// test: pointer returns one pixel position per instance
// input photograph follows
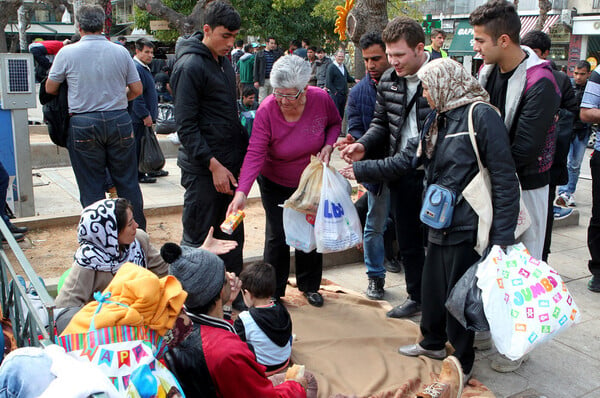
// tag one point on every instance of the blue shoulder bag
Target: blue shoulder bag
(438, 207)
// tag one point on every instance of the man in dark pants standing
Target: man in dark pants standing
(400, 113)
(336, 81)
(213, 140)
(590, 113)
(144, 109)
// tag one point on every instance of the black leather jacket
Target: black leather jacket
(385, 131)
(453, 165)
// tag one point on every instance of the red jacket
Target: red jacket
(214, 348)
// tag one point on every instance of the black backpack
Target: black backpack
(56, 113)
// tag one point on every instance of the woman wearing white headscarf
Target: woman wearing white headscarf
(108, 238)
(450, 161)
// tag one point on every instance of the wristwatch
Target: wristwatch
(226, 308)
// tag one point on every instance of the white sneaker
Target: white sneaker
(174, 138)
(565, 200)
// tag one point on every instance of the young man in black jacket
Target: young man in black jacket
(540, 43)
(523, 88)
(400, 112)
(213, 140)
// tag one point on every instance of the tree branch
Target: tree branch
(158, 9)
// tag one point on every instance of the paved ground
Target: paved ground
(568, 366)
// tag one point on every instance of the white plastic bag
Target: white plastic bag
(525, 301)
(299, 230)
(337, 226)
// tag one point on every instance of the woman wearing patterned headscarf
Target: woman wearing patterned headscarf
(108, 238)
(450, 161)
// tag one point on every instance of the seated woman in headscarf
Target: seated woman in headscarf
(450, 161)
(108, 238)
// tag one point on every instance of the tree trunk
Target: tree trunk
(185, 24)
(545, 7)
(8, 11)
(366, 15)
(23, 17)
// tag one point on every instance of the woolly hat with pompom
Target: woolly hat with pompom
(200, 272)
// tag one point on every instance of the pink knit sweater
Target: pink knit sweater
(280, 150)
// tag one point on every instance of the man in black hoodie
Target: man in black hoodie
(213, 140)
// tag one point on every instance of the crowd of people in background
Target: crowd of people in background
(249, 112)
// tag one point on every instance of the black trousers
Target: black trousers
(406, 195)
(444, 266)
(549, 222)
(204, 207)
(138, 132)
(594, 227)
(309, 266)
(339, 100)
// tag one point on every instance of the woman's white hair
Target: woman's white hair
(290, 71)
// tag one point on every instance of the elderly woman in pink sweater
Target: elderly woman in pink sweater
(293, 123)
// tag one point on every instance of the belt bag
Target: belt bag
(438, 207)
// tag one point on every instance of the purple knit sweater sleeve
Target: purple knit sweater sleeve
(280, 150)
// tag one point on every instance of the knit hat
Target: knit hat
(200, 272)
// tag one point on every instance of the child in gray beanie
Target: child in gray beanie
(206, 360)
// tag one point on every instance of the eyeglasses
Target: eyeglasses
(288, 97)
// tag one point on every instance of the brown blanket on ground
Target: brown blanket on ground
(351, 347)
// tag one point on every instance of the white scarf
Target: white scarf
(99, 240)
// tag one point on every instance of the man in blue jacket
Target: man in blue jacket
(144, 109)
(360, 108)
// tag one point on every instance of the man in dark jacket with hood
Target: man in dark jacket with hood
(212, 138)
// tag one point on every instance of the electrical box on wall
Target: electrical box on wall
(17, 81)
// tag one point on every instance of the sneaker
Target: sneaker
(174, 138)
(393, 265)
(408, 308)
(561, 213)
(18, 237)
(594, 284)
(375, 289)
(565, 200)
(414, 350)
(504, 365)
(159, 173)
(483, 341)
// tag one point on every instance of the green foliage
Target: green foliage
(285, 20)
(326, 9)
(411, 9)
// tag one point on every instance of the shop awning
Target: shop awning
(528, 23)
(462, 42)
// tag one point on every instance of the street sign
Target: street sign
(429, 23)
(159, 25)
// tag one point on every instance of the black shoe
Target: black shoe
(159, 173)
(314, 298)
(594, 284)
(17, 230)
(406, 309)
(18, 237)
(394, 265)
(375, 289)
(147, 180)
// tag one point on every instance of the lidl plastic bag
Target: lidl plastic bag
(306, 197)
(525, 301)
(337, 226)
(299, 230)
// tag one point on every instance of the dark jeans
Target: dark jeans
(101, 140)
(204, 207)
(340, 102)
(309, 266)
(138, 132)
(405, 204)
(594, 228)
(3, 190)
(549, 222)
(443, 268)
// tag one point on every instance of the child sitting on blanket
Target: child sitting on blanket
(266, 326)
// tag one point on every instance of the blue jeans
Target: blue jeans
(26, 374)
(379, 210)
(576, 153)
(101, 140)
